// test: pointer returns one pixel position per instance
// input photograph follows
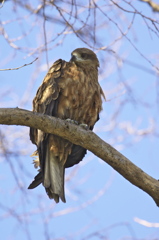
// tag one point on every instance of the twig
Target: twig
(26, 64)
(45, 35)
(146, 223)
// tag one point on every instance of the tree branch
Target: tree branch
(26, 64)
(154, 6)
(86, 139)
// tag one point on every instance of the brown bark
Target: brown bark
(87, 139)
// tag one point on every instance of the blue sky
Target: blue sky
(100, 202)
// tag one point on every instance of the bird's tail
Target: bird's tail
(51, 175)
(53, 179)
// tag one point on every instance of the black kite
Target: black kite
(70, 90)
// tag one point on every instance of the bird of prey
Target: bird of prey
(70, 90)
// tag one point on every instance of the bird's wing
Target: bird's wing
(46, 99)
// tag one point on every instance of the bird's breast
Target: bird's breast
(79, 98)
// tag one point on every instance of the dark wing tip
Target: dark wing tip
(37, 181)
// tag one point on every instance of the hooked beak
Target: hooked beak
(73, 58)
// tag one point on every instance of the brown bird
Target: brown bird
(70, 90)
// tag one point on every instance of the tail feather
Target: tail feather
(51, 176)
(53, 180)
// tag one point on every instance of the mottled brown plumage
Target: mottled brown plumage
(69, 90)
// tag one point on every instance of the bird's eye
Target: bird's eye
(84, 55)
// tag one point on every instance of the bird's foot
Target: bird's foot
(71, 121)
(84, 126)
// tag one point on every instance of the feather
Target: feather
(54, 176)
(37, 180)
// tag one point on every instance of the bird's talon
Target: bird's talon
(84, 126)
(71, 121)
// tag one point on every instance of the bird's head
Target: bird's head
(85, 56)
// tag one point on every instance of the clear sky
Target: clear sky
(101, 204)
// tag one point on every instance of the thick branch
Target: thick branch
(86, 139)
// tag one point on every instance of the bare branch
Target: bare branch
(86, 139)
(26, 64)
(146, 223)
